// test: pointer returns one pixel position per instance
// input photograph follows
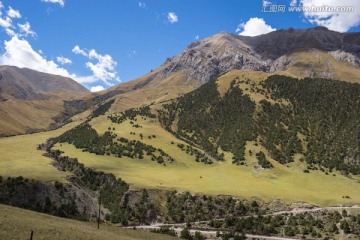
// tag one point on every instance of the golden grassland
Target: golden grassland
(16, 223)
(20, 157)
(157, 91)
(16, 116)
(283, 182)
(316, 62)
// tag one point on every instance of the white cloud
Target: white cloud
(172, 17)
(77, 50)
(13, 13)
(18, 52)
(26, 29)
(337, 21)
(253, 27)
(63, 60)
(97, 88)
(5, 22)
(141, 5)
(10, 32)
(102, 69)
(61, 2)
(197, 37)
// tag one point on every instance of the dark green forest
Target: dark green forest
(86, 138)
(326, 112)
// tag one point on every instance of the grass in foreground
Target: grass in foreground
(16, 223)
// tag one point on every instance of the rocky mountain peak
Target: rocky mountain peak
(206, 59)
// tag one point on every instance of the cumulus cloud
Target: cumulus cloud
(10, 32)
(77, 50)
(61, 2)
(97, 88)
(172, 17)
(5, 22)
(253, 27)
(63, 60)
(25, 29)
(339, 20)
(101, 66)
(141, 5)
(18, 52)
(13, 13)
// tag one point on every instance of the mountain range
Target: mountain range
(316, 52)
(230, 128)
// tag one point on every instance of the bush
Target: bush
(185, 234)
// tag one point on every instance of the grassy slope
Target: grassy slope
(16, 116)
(158, 91)
(289, 184)
(284, 182)
(316, 62)
(17, 223)
(19, 157)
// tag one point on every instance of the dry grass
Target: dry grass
(17, 223)
(19, 156)
(159, 90)
(16, 116)
(283, 182)
(304, 62)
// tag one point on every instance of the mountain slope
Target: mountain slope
(224, 135)
(223, 52)
(314, 52)
(32, 101)
(27, 84)
(290, 118)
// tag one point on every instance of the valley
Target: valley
(234, 129)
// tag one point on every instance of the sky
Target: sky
(103, 43)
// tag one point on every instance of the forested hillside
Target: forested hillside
(318, 119)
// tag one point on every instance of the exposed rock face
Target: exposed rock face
(215, 55)
(345, 57)
(206, 59)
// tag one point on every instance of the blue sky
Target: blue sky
(113, 41)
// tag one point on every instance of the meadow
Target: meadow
(16, 223)
(288, 183)
(18, 156)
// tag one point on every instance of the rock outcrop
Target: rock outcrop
(205, 60)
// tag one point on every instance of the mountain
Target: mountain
(314, 52)
(231, 126)
(31, 101)
(246, 134)
(206, 59)
(27, 84)
(290, 119)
